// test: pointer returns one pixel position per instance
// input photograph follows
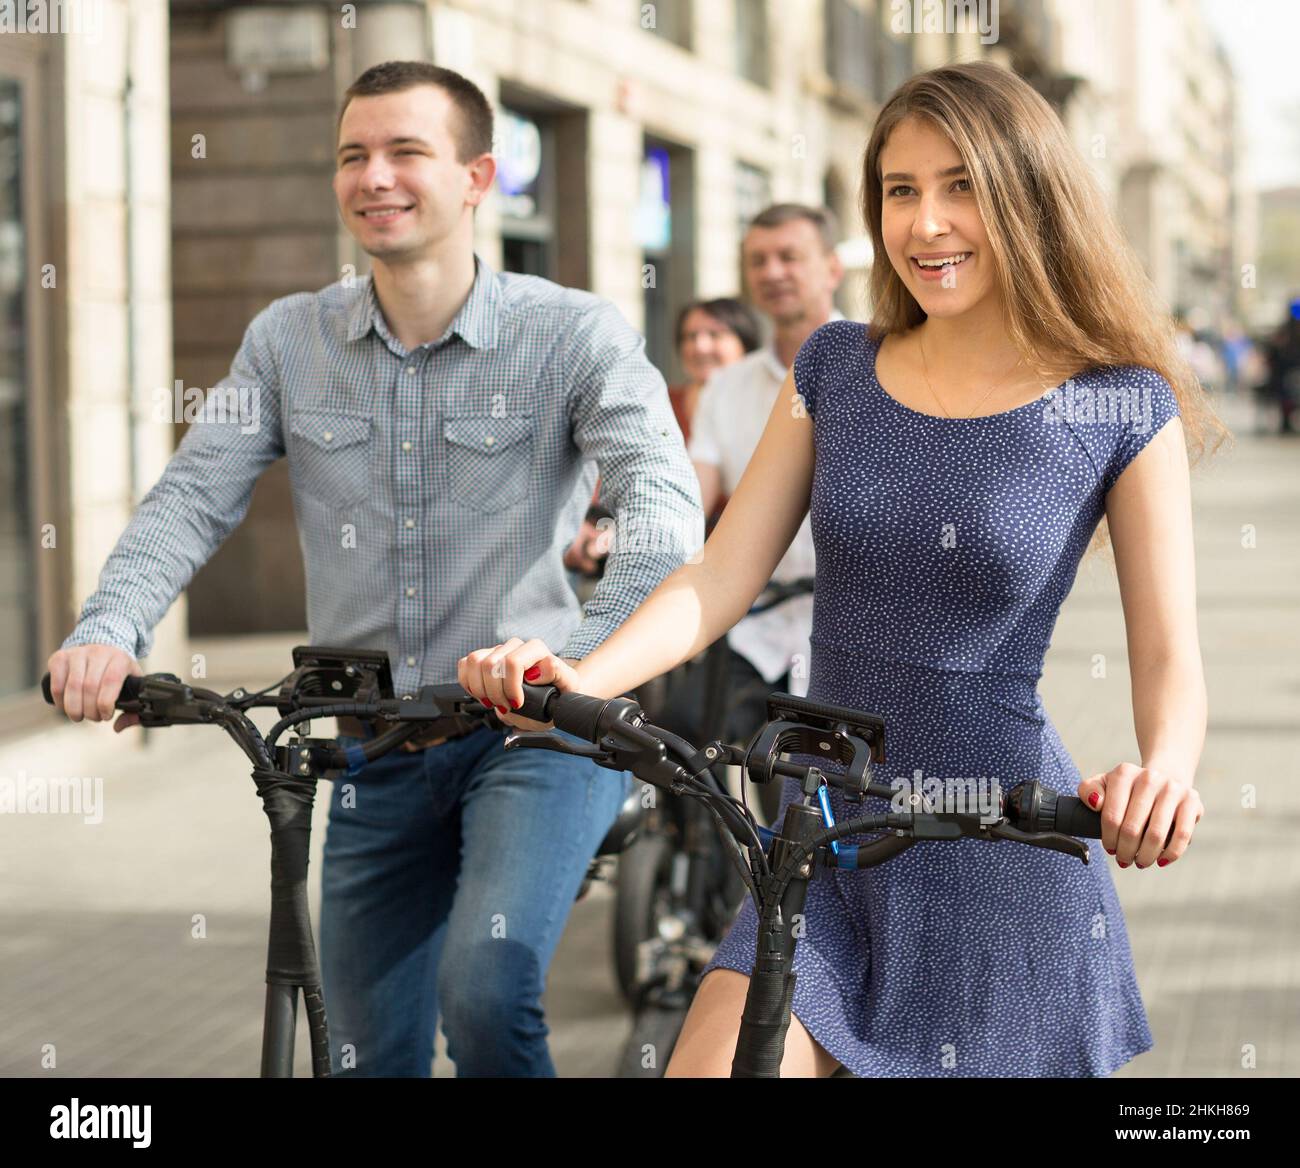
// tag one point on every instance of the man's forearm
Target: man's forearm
(155, 558)
(623, 421)
(201, 497)
(658, 527)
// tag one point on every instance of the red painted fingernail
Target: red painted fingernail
(1108, 851)
(1141, 865)
(514, 705)
(502, 710)
(532, 673)
(1161, 863)
(1122, 864)
(1093, 798)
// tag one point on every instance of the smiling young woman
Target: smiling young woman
(951, 508)
(1047, 278)
(1006, 282)
(1002, 278)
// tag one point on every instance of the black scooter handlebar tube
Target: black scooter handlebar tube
(760, 1043)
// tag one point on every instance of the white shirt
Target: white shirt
(728, 422)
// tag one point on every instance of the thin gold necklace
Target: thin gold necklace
(926, 369)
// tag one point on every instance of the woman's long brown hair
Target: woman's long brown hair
(1075, 294)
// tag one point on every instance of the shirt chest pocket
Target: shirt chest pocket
(331, 457)
(489, 460)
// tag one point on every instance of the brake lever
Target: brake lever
(165, 700)
(1052, 840)
(544, 740)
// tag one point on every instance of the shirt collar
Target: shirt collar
(477, 322)
(773, 362)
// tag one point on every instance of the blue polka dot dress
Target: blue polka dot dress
(945, 548)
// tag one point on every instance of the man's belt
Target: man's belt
(421, 739)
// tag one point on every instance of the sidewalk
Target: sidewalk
(98, 956)
(1216, 938)
(137, 945)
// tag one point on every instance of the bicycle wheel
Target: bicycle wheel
(644, 871)
(650, 1046)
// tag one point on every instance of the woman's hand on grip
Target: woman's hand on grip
(496, 677)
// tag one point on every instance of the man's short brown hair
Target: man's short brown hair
(820, 217)
(473, 134)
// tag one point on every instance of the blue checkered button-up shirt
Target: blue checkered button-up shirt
(435, 489)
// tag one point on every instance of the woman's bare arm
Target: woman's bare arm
(700, 601)
(1149, 514)
(1150, 518)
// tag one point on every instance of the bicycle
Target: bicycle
(675, 891)
(776, 866)
(325, 682)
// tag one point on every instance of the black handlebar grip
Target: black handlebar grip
(537, 699)
(1074, 817)
(130, 689)
(579, 715)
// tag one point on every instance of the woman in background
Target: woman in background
(710, 334)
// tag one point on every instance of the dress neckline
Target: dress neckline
(898, 405)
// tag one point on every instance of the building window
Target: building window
(18, 611)
(670, 19)
(752, 60)
(863, 53)
(753, 193)
(894, 55)
(849, 59)
(665, 229)
(526, 184)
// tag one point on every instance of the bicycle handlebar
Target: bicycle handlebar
(1067, 814)
(622, 739)
(1029, 807)
(662, 757)
(777, 877)
(129, 692)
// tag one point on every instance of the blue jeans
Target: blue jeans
(448, 876)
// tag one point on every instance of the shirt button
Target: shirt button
(406, 446)
(410, 370)
(410, 661)
(410, 592)
(328, 436)
(409, 523)
(488, 440)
